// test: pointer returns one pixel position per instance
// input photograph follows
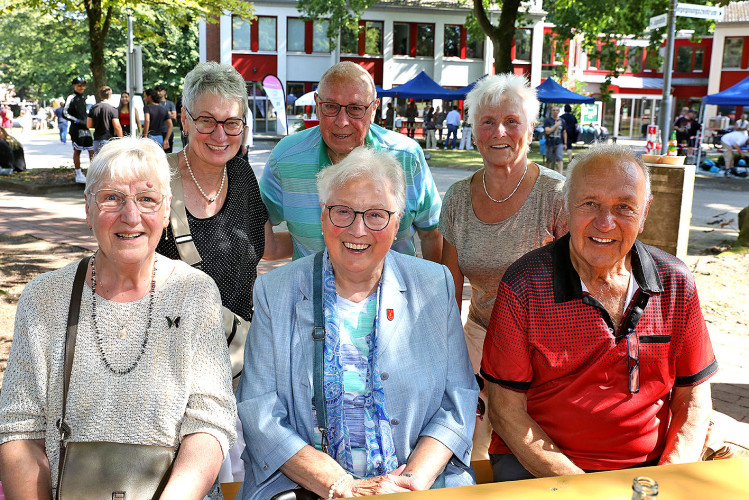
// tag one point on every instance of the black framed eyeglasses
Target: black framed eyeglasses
(112, 200)
(375, 219)
(331, 109)
(207, 124)
(633, 361)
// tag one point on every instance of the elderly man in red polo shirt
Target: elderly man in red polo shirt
(597, 352)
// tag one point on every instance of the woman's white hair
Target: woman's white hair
(127, 159)
(221, 80)
(613, 151)
(364, 163)
(491, 89)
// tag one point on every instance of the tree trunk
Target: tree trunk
(97, 35)
(505, 34)
(500, 35)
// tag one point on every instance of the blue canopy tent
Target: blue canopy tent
(551, 92)
(462, 92)
(419, 87)
(737, 95)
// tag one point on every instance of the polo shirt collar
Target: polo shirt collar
(566, 280)
(323, 158)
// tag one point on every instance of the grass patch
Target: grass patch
(471, 160)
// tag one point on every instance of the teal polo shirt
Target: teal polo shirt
(288, 187)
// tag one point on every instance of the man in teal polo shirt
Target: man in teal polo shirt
(346, 102)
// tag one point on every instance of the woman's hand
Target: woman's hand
(379, 485)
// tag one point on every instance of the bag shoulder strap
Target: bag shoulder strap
(69, 350)
(318, 335)
(178, 217)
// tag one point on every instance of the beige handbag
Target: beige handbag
(236, 327)
(97, 470)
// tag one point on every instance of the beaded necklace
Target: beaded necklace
(221, 188)
(99, 336)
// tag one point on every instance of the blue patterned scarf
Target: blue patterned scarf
(381, 457)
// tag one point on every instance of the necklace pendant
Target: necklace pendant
(122, 333)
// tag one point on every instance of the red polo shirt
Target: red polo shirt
(557, 344)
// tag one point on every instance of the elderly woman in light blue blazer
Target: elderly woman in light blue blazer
(399, 391)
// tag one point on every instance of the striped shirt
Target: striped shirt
(289, 187)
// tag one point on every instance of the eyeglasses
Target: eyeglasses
(375, 219)
(331, 109)
(112, 200)
(633, 361)
(207, 124)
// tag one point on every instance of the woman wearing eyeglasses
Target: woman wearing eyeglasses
(219, 222)
(150, 362)
(399, 393)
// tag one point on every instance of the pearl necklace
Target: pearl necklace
(221, 188)
(99, 336)
(483, 181)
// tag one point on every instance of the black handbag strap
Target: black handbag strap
(69, 349)
(318, 336)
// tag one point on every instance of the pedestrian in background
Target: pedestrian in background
(75, 112)
(453, 123)
(104, 119)
(128, 115)
(570, 126)
(411, 114)
(556, 140)
(62, 123)
(439, 119)
(172, 111)
(155, 117)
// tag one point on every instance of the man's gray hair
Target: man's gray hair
(221, 80)
(127, 159)
(345, 71)
(490, 90)
(611, 150)
(364, 163)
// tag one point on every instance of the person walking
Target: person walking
(453, 122)
(80, 135)
(429, 127)
(465, 136)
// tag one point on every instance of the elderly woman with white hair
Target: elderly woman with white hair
(382, 399)
(497, 214)
(142, 362)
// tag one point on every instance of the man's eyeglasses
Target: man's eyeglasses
(633, 361)
(112, 200)
(331, 109)
(207, 124)
(375, 219)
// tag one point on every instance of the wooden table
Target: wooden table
(716, 480)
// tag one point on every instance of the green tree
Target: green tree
(100, 14)
(603, 25)
(41, 52)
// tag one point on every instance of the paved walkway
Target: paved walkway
(60, 218)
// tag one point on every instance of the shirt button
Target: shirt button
(394, 421)
(611, 330)
(265, 467)
(384, 376)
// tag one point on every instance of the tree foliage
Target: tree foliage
(99, 16)
(42, 52)
(603, 25)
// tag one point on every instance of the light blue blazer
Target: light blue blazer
(429, 386)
